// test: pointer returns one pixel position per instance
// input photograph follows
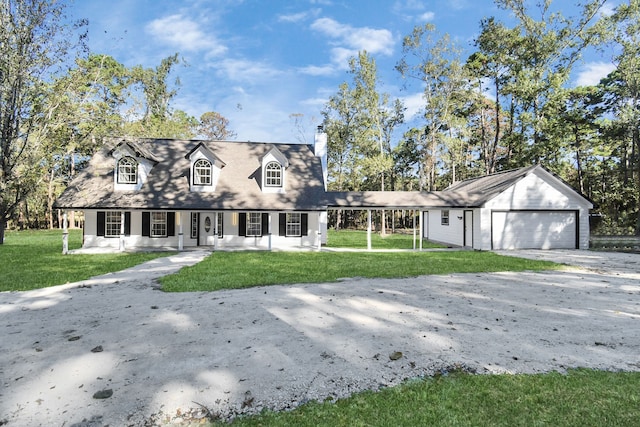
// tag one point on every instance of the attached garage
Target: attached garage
(526, 208)
(534, 229)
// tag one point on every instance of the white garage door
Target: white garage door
(533, 230)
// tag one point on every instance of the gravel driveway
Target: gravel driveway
(115, 350)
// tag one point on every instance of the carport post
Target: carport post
(65, 234)
(420, 227)
(368, 229)
(414, 229)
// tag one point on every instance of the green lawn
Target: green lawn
(33, 260)
(358, 240)
(234, 270)
(578, 398)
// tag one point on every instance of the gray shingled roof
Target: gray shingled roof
(167, 186)
(238, 188)
(473, 192)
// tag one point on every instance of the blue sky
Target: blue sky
(257, 62)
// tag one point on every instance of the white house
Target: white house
(165, 193)
(161, 193)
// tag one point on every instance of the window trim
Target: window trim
(270, 179)
(444, 217)
(127, 162)
(291, 224)
(198, 175)
(256, 231)
(158, 219)
(112, 222)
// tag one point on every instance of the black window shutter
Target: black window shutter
(265, 224)
(304, 224)
(101, 223)
(221, 228)
(242, 224)
(171, 223)
(146, 224)
(127, 223)
(282, 224)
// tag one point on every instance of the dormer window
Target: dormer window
(202, 172)
(127, 171)
(273, 175)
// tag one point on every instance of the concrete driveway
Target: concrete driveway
(115, 350)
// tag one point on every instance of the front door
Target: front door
(468, 228)
(207, 229)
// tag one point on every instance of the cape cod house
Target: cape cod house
(164, 193)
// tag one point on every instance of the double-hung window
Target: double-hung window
(112, 223)
(158, 224)
(294, 225)
(254, 224)
(127, 171)
(444, 217)
(202, 172)
(273, 174)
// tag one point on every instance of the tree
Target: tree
(528, 66)
(153, 116)
(215, 126)
(435, 64)
(33, 42)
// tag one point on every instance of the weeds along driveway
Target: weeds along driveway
(280, 346)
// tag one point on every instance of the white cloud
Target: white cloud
(356, 39)
(413, 10)
(427, 16)
(295, 17)
(592, 73)
(299, 17)
(348, 41)
(315, 70)
(245, 70)
(414, 105)
(607, 9)
(184, 34)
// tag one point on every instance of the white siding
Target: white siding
(537, 191)
(452, 234)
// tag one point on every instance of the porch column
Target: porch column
(369, 229)
(65, 234)
(122, 217)
(319, 232)
(180, 231)
(215, 230)
(420, 227)
(269, 216)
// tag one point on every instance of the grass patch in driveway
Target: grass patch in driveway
(235, 270)
(578, 398)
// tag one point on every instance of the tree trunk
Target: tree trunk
(3, 224)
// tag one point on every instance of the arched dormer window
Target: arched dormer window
(127, 171)
(273, 174)
(202, 172)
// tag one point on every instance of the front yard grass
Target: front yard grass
(578, 398)
(33, 259)
(357, 239)
(235, 270)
